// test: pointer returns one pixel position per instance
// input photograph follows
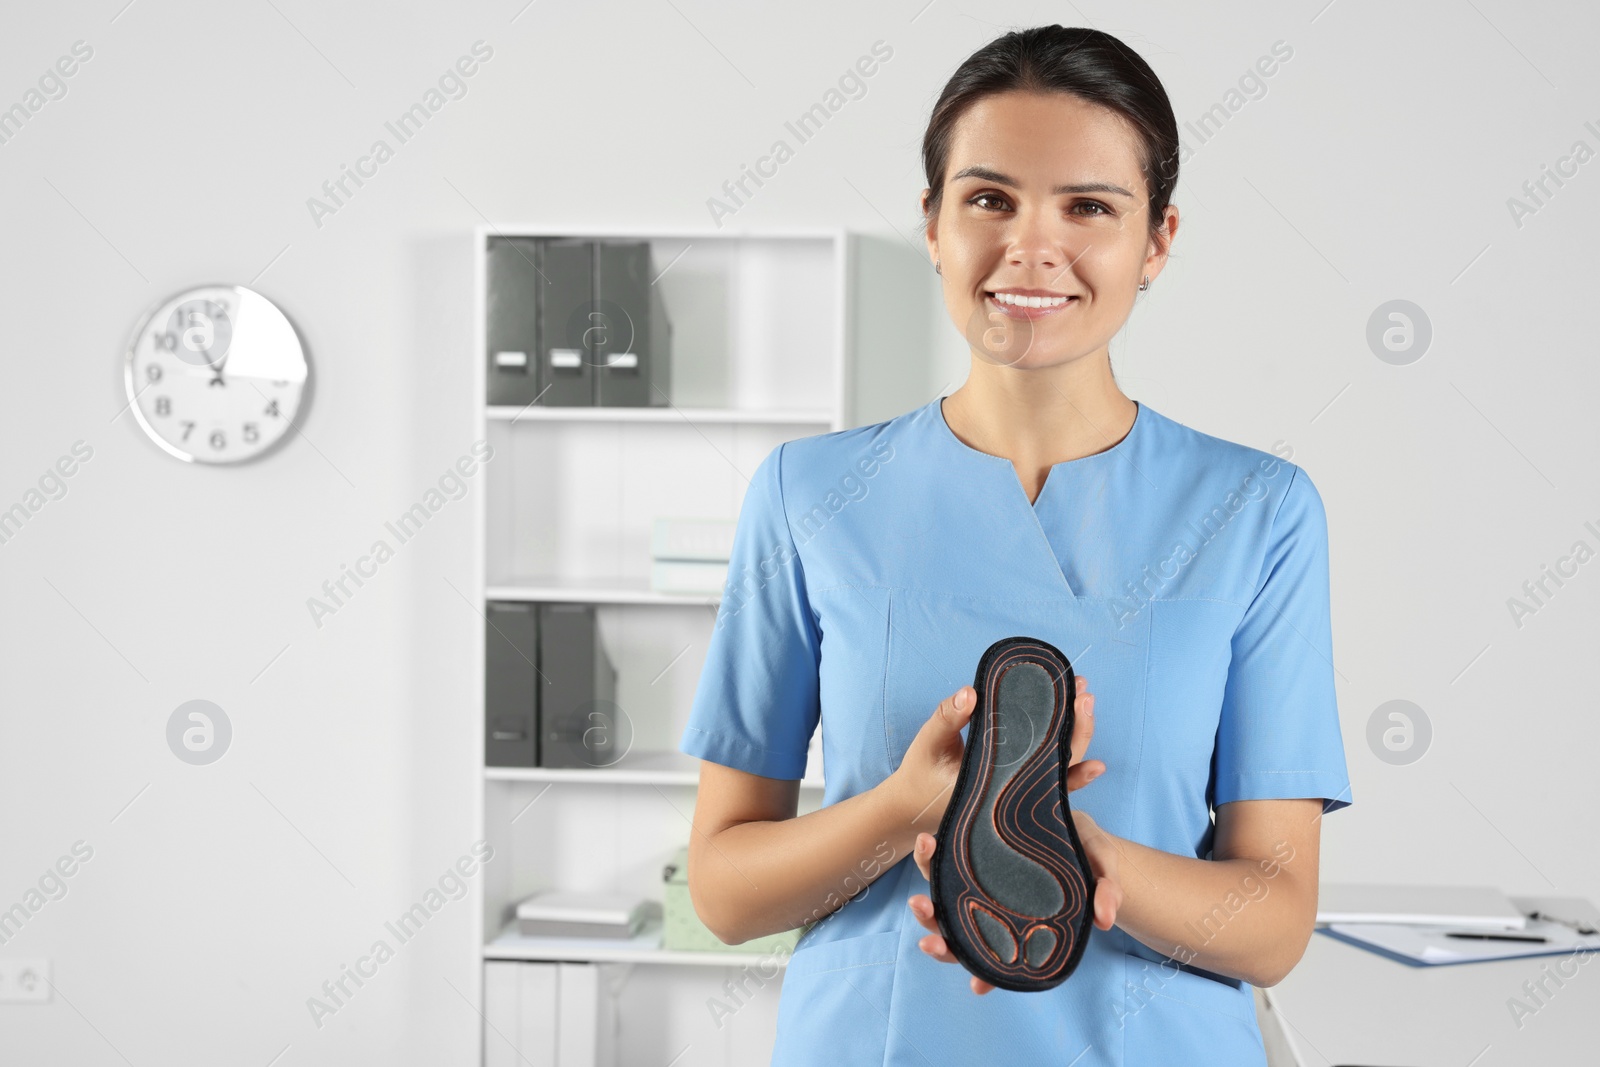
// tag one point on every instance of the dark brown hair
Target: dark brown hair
(1086, 63)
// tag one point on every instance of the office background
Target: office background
(1383, 160)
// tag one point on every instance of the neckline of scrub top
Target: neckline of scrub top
(1052, 562)
(950, 435)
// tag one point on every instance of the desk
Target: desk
(1344, 1005)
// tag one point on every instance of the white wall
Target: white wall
(1377, 166)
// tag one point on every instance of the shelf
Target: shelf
(729, 232)
(644, 948)
(649, 767)
(594, 591)
(539, 413)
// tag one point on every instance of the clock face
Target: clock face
(216, 374)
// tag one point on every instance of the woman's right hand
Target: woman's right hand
(928, 770)
(927, 773)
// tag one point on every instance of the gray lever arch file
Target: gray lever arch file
(513, 326)
(567, 330)
(577, 709)
(633, 362)
(511, 686)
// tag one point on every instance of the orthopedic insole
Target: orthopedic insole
(1010, 880)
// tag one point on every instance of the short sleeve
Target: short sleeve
(1278, 735)
(758, 698)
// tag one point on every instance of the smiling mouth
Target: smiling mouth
(1028, 307)
(1030, 301)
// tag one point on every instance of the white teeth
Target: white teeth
(1030, 301)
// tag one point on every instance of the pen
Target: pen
(1501, 937)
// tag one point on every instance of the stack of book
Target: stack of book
(690, 556)
(559, 914)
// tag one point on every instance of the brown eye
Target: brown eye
(986, 196)
(1096, 204)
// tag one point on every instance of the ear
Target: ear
(1156, 254)
(928, 235)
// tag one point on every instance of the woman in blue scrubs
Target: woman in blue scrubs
(1185, 576)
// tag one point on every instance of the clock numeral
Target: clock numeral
(163, 406)
(153, 372)
(165, 340)
(272, 409)
(187, 427)
(200, 333)
(251, 433)
(217, 440)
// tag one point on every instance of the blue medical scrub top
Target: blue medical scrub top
(1186, 577)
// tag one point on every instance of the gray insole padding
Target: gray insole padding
(999, 938)
(1039, 946)
(1020, 720)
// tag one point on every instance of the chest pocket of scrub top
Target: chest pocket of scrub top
(935, 641)
(1190, 649)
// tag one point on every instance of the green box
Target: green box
(682, 930)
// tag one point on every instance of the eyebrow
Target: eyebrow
(1000, 179)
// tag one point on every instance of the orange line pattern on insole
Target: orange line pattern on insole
(1027, 810)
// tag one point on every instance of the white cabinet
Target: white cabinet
(760, 322)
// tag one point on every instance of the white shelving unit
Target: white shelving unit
(760, 321)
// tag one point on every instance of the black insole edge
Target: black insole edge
(977, 738)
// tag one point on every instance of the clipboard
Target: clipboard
(1429, 945)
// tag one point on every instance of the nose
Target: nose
(1038, 243)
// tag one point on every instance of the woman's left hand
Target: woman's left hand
(1104, 863)
(1103, 860)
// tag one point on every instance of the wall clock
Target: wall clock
(216, 374)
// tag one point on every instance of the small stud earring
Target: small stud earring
(1144, 284)
(936, 268)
